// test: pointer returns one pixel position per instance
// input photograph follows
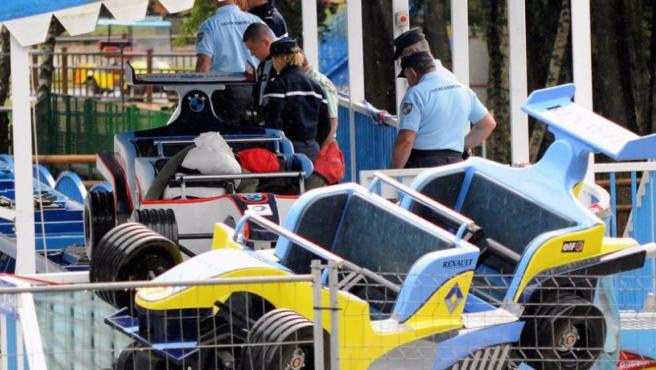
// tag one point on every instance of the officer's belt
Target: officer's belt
(435, 152)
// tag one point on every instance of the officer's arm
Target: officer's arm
(481, 130)
(331, 135)
(324, 129)
(203, 63)
(402, 148)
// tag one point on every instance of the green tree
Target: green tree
(46, 65)
(202, 10)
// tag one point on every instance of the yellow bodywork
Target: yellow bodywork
(550, 255)
(361, 340)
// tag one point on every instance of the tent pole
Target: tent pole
(22, 145)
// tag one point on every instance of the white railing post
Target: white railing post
(400, 84)
(28, 343)
(582, 61)
(460, 28)
(22, 144)
(310, 32)
(356, 70)
(518, 81)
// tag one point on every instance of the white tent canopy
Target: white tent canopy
(28, 20)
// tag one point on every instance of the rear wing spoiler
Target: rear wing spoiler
(186, 79)
(572, 122)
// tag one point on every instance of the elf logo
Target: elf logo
(574, 246)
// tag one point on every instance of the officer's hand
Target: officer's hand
(466, 154)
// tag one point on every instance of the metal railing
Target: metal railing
(101, 74)
(66, 325)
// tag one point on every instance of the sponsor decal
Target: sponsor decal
(573, 246)
(632, 361)
(457, 263)
(453, 298)
(260, 209)
(407, 108)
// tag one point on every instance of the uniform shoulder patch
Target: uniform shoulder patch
(406, 108)
(199, 37)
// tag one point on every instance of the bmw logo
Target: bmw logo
(196, 103)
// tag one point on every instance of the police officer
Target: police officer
(266, 10)
(293, 102)
(220, 49)
(218, 42)
(258, 38)
(434, 115)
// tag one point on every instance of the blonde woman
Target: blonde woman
(294, 103)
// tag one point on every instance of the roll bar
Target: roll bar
(182, 179)
(280, 231)
(450, 216)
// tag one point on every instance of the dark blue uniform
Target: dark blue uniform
(297, 105)
(265, 73)
(272, 17)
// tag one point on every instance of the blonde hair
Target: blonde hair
(283, 60)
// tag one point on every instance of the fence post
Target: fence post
(334, 315)
(122, 79)
(64, 71)
(318, 308)
(149, 69)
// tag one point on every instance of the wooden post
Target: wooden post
(64, 70)
(149, 69)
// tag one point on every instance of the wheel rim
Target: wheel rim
(297, 360)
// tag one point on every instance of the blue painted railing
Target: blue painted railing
(372, 142)
(634, 287)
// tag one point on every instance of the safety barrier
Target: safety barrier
(66, 326)
(367, 144)
(50, 325)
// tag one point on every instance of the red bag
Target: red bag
(259, 160)
(330, 163)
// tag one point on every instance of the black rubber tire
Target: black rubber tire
(220, 340)
(271, 320)
(136, 357)
(285, 329)
(128, 252)
(161, 221)
(99, 218)
(564, 332)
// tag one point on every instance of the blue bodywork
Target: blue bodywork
(62, 226)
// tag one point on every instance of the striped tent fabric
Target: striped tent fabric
(28, 20)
